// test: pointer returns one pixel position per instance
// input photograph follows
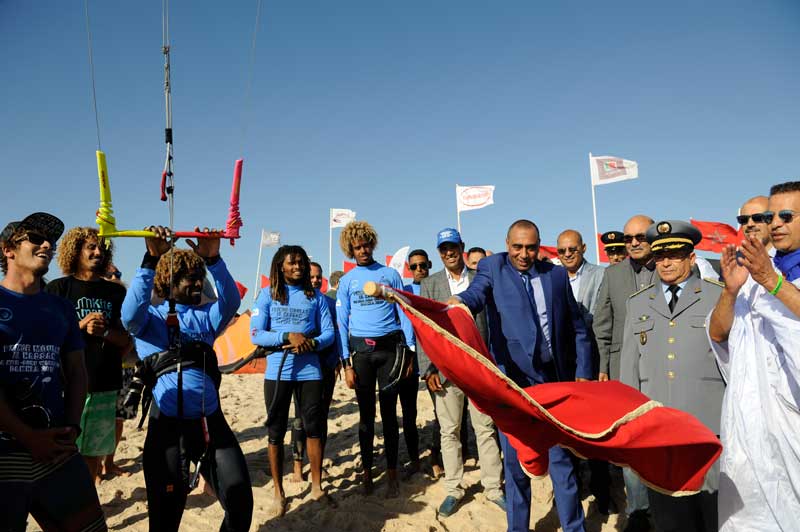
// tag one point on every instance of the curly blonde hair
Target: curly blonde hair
(357, 230)
(69, 254)
(186, 262)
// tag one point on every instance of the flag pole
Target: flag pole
(330, 241)
(458, 214)
(257, 286)
(594, 212)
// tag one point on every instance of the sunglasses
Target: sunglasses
(563, 251)
(34, 238)
(786, 215)
(758, 218)
(641, 237)
(420, 265)
(116, 275)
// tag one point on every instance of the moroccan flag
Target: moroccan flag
(548, 252)
(716, 235)
(241, 288)
(347, 266)
(669, 449)
(602, 249)
(264, 281)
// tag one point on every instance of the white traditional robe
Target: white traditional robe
(760, 464)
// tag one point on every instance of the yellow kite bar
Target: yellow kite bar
(105, 214)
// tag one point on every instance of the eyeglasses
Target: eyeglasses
(34, 238)
(116, 274)
(563, 251)
(758, 218)
(641, 237)
(420, 265)
(786, 215)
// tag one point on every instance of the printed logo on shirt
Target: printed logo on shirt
(6, 314)
(255, 312)
(87, 305)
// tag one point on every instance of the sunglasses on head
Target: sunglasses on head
(34, 238)
(641, 237)
(563, 251)
(786, 215)
(758, 218)
(420, 265)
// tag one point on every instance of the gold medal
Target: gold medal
(643, 337)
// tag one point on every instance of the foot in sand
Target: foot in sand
(392, 489)
(111, 470)
(297, 472)
(279, 506)
(367, 487)
(323, 498)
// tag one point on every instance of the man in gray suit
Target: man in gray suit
(448, 399)
(584, 277)
(666, 355)
(619, 282)
(584, 280)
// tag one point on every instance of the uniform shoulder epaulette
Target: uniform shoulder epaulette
(651, 285)
(714, 281)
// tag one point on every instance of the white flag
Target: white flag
(398, 261)
(341, 217)
(612, 169)
(270, 238)
(477, 197)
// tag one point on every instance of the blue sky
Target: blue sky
(382, 107)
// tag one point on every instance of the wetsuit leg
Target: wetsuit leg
(226, 469)
(408, 389)
(388, 402)
(278, 418)
(328, 385)
(298, 432)
(365, 395)
(309, 395)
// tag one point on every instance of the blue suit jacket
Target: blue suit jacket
(512, 333)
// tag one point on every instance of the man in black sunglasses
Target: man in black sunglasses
(420, 266)
(751, 218)
(42, 390)
(755, 333)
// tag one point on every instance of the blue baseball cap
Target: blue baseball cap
(448, 234)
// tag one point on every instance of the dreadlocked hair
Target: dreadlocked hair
(184, 263)
(72, 243)
(278, 282)
(354, 231)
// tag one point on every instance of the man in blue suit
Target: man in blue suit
(536, 335)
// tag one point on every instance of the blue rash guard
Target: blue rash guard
(271, 322)
(147, 324)
(333, 354)
(361, 315)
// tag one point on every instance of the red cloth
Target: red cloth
(671, 450)
(602, 249)
(347, 266)
(264, 281)
(241, 288)
(716, 235)
(547, 252)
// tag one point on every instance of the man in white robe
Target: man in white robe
(755, 334)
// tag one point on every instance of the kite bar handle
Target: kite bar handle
(164, 185)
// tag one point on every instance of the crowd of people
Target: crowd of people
(717, 340)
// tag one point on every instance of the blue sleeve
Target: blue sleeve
(260, 334)
(474, 297)
(583, 343)
(343, 316)
(326, 336)
(137, 312)
(225, 307)
(405, 323)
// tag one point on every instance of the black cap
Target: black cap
(612, 239)
(673, 234)
(39, 222)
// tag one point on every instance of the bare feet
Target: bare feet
(297, 472)
(436, 471)
(279, 506)
(110, 470)
(322, 497)
(367, 486)
(392, 485)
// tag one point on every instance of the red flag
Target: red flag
(547, 252)
(347, 266)
(264, 281)
(716, 235)
(671, 450)
(324, 287)
(242, 289)
(602, 248)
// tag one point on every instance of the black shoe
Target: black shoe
(638, 521)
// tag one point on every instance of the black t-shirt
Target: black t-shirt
(103, 359)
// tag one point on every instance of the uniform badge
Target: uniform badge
(663, 228)
(642, 337)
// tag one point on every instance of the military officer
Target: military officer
(614, 246)
(667, 356)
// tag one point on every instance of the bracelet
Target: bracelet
(774, 291)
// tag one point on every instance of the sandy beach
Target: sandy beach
(124, 498)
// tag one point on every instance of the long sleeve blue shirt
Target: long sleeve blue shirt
(271, 321)
(147, 324)
(361, 315)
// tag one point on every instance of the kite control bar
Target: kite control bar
(107, 223)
